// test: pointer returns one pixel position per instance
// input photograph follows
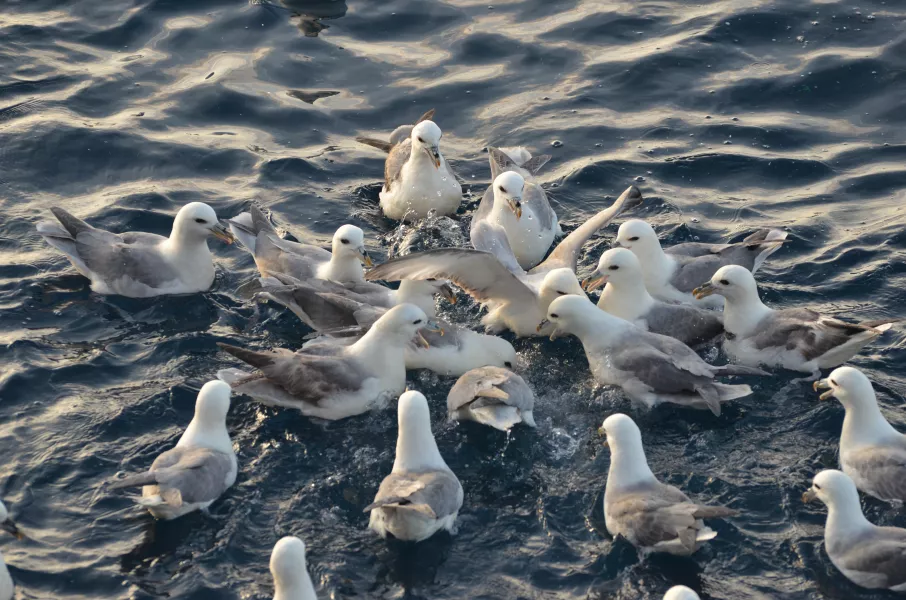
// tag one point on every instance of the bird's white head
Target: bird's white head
(403, 322)
(571, 315)
(508, 188)
(213, 403)
(558, 283)
(735, 283)
(416, 448)
(426, 137)
(617, 265)
(680, 592)
(196, 221)
(290, 570)
(349, 242)
(834, 488)
(848, 385)
(639, 237)
(621, 432)
(497, 352)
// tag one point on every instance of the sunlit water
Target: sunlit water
(729, 116)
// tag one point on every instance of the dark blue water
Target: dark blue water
(728, 115)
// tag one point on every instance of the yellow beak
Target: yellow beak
(809, 496)
(515, 205)
(222, 233)
(603, 433)
(593, 283)
(364, 257)
(703, 291)
(823, 384)
(421, 340)
(544, 323)
(447, 292)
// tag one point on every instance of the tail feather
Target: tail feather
(732, 392)
(402, 504)
(259, 360)
(705, 534)
(260, 222)
(53, 230)
(703, 511)
(146, 478)
(770, 241)
(742, 370)
(379, 144)
(711, 395)
(881, 324)
(73, 224)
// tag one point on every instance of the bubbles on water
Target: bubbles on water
(561, 444)
(557, 144)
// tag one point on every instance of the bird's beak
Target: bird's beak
(619, 244)
(593, 283)
(433, 327)
(222, 233)
(554, 334)
(809, 495)
(703, 291)
(421, 340)
(823, 384)
(603, 434)
(364, 257)
(515, 204)
(446, 290)
(544, 323)
(434, 153)
(9, 527)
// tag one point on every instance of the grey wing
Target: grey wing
(883, 468)
(199, 474)
(109, 257)
(879, 560)
(812, 338)
(323, 307)
(500, 163)
(693, 249)
(681, 355)
(658, 371)
(686, 323)
(438, 490)
(490, 385)
(488, 237)
(566, 254)
(484, 207)
(399, 156)
(534, 164)
(481, 274)
(142, 238)
(276, 255)
(693, 272)
(535, 196)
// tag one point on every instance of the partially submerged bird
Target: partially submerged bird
(870, 556)
(290, 571)
(138, 264)
(199, 469)
(334, 381)
(650, 368)
(652, 516)
(520, 206)
(516, 300)
(872, 452)
(681, 592)
(492, 396)
(626, 297)
(417, 178)
(672, 273)
(6, 581)
(421, 496)
(276, 256)
(798, 339)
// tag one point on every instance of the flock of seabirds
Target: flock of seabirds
(659, 304)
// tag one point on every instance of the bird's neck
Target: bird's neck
(500, 211)
(419, 297)
(742, 315)
(598, 329)
(296, 587)
(845, 519)
(627, 301)
(379, 349)
(420, 159)
(343, 269)
(184, 246)
(200, 434)
(865, 424)
(416, 450)
(628, 467)
(657, 266)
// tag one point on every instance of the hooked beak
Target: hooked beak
(809, 496)
(221, 232)
(544, 323)
(515, 204)
(823, 384)
(9, 527)
(434, 153)
(364, 257)
(704, 290)
(446, 290)
(593, 283)
(602, 432)
(421, 340)
(433, 327)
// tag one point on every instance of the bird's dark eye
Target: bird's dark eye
(431, 279)
(724, 282)
(555, 316)
(817, 487)
(634, 239)
(502, 189)
(507, 364)
(614, 267)
(417, 322)
(345, 241)
(561, 293)
(833, 382)
(421, 140)
(201, 221)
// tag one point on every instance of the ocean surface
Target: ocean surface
(729, 115)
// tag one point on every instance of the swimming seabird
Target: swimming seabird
(798, 339)
(672, 273)
(334, 381)
(421, 495)
(626, 297)
(650, 368)
(138, 264)
(872, 452)
(516, 300)
(681, 592)
(870, 556)
(492, 396)
(199, 469)
(652, 516)
(520, 206)
(417, 178)
(290, 571)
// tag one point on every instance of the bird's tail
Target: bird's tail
(72, 224)
(146, 478)
(400, 503)
(374, 143)
(769, 240)
(728, 392)
(259, 360)
(742, 370)
(703, 511)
